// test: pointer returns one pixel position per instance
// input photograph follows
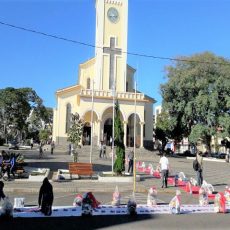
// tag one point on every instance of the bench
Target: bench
(80, 169)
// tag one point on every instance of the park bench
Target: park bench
(80, 169)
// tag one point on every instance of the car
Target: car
(218, 155)
(14, 145)
(221, 155)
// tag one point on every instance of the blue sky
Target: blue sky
(166, 28)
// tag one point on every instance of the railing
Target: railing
(119, 95)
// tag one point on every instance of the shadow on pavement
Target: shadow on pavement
(54, 166)
(84, 222)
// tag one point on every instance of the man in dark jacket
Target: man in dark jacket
(45, 199)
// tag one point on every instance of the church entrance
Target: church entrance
(130, 131)
(108, 131)
(86, 134)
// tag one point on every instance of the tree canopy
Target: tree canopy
(197, 96)
(15, 108)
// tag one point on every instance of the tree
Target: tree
(15, 108)
(168, 127)
(40, 120)
(75, 133)
(197, 96)
(119, 165)
(44, 135)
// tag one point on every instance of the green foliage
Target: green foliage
(76, 130)
(197, 94)
(15, 108)
(119, 165)
(44, 135)
(75, 133)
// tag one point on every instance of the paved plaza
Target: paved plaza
(215, 172)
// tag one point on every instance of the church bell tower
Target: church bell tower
(111, 44)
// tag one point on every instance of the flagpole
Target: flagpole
(91, 146)
(134, 147)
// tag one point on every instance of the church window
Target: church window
(88, 83)
(68, 117)
(127, 87)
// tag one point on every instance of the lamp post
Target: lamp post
(134, 140)
(92, 109)
(113, 94)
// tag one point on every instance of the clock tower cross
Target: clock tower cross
(111, 44)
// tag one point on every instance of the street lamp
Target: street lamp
(134, 140)
(92, 109)
(113, 94)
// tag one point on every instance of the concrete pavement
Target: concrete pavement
(215, 173)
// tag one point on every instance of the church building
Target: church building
(102, 80)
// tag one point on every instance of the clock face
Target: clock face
(113, 15)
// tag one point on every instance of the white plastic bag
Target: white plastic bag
(175, 203)
(116, 197)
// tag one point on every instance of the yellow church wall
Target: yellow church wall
(105, 83)
(69, 98)
(119, 75)
(55, 126)
(113, 29)
(129, 78)
(148, 121)
(87, 70)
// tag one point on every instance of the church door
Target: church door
(108, 130)
(86, 134)
(130, 131)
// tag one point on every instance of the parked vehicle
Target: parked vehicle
(219, 155)
(14, 145)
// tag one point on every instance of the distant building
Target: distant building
(157, 111)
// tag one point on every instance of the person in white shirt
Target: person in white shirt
(164, 164)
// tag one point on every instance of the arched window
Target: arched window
(68, 117)
(88, 83)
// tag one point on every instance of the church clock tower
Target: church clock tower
(111, 44)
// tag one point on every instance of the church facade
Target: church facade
(102, 80)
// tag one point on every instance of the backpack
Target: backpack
(196, 165)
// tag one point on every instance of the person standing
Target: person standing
(164, 164)
(31, 143)
(130, 159)
(40, 149)
(52, 146)
(111, 142)
(101, 149)
(70, 148)
(45, 198)
(104, 150)
(199, 171)
(2, 195)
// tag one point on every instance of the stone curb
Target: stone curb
(140, 189)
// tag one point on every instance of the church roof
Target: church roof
(88, 63)
(148, 97)
(68, 89)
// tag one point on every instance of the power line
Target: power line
(93, 46)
